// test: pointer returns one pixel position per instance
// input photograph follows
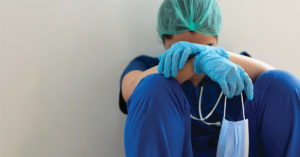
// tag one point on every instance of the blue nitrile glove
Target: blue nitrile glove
(177, 55)
(231, 77)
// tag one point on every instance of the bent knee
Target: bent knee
(279, 78)
(160, 94)
(157, 83)
(276, 81)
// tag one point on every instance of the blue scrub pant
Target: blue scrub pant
(158, 121)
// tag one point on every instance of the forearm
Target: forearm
(252, 67)
(184, 74)
(132, 79)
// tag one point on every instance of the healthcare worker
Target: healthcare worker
(197, 99)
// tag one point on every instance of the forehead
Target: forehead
(194, 37)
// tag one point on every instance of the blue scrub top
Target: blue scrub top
(204, 137)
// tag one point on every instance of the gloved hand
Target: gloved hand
(231, 77)
(177, 55)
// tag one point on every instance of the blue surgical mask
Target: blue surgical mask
(234, 136)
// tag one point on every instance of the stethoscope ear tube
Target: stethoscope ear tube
(210, 113)
(213, 109)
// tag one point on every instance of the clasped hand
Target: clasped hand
(212, 61)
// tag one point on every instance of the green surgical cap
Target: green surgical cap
(178, 16)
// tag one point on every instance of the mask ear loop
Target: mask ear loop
(242, 99)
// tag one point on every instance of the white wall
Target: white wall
(269, 30)
(61, 61)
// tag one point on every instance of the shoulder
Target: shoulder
(146, 59)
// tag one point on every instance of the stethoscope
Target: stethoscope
(209, 114)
